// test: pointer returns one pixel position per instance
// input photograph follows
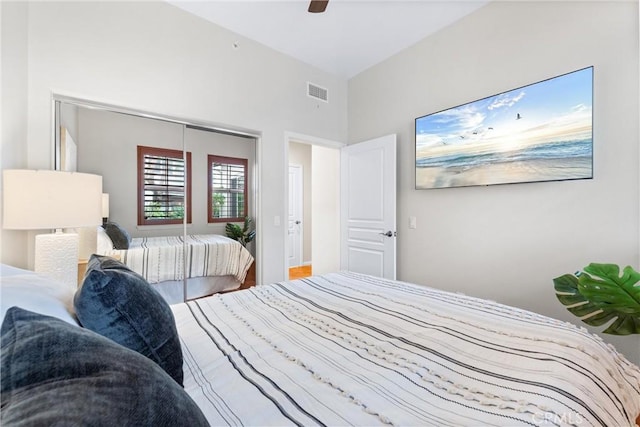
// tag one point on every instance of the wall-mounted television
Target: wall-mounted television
(539, 132)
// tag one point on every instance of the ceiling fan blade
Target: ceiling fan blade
(318, 6)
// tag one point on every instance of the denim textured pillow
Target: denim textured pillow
(54, 373)
(118, 235)
(121, 305)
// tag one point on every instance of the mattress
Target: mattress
(197, 287)
(350, 349)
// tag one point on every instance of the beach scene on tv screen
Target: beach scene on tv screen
(539, 132)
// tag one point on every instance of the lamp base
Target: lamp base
(57, 257)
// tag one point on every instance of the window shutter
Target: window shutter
(227, 189)
(163, 175)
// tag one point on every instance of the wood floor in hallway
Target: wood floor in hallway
(299, 272)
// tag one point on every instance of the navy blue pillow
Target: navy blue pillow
(121, 305)
(118, 235)
(54, 373)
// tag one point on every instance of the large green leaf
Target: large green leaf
(243, 235)
(247, 232)
(600, 294)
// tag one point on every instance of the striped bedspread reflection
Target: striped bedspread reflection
(162, 258)
(348, 349)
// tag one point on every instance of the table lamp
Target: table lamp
(45, 199)
(105, 208)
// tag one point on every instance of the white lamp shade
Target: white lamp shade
(44, 199)
(105, 205)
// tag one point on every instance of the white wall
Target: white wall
(13, 114)
(325, 205)
(508, 242)
(153, 57)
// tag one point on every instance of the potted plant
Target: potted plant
(244, 234)
(600, 294)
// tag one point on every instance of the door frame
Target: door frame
(299, 138)
(299, 210)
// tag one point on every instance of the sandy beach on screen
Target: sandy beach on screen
(503, 173)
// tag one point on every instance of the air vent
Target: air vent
(317, 92)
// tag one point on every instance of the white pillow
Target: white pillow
(104, 243)
(36, 293)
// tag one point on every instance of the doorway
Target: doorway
(320, 224)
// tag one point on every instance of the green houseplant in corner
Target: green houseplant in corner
(243, 234)
(600, 294)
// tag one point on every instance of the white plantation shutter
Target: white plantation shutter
(164, 181)
(227, 189)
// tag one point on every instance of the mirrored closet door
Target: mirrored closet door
(166, 182)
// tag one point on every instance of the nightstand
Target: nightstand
(82, 268)
(250, 279)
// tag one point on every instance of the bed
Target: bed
(350, 349)
(214, 263)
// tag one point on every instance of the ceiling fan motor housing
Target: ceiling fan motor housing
(318, 6)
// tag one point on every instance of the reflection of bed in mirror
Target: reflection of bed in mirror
(211, 263)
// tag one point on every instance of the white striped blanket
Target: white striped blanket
(348, 349)
(162, 258)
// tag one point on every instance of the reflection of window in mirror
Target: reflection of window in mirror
(227, 189)
(162, 185)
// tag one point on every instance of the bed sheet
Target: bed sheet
(160, 259)
(348, 349)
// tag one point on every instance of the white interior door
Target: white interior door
(368, 207)
(295, 215)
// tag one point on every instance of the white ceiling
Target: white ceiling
(349, 37)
